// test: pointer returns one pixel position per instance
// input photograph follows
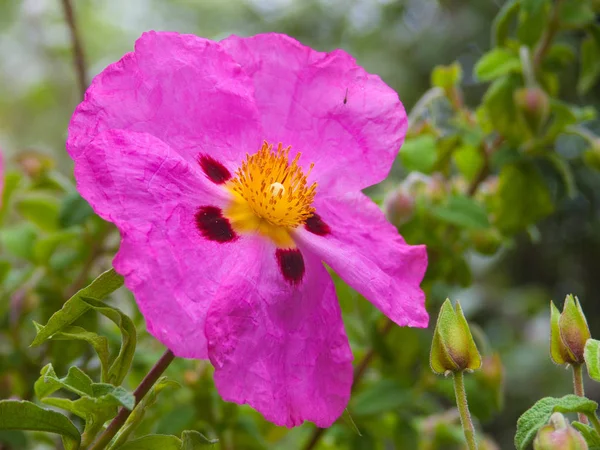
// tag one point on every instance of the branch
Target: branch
(78, 55)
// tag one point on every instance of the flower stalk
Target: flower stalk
(151, 377)
(463, 409)
(578, 388)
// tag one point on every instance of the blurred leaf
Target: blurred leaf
(42, 210)
(380, 397)
(590, 435)
(496, 63)
(120, 366)
(462, 211)
(500, 108)
(566, 173)
(522, 198)
(446, 76)
(576, 13)
(559, 56)
(11, 183)
(152, 442)
(22, 415)
(138, 413)
(419, 154)
(193, 440)
(533, 20)
(45, 246)
(537, 416)
(503, 20)
(469, 161)
(592, 358)
(99, 343)
(74, 210)
(19, 240)
(589, 70)
(73, 308)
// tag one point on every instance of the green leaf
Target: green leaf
(462, 211)
(589, 70)
(446, 76)
(19, 240)
(40, 209)
(76, 381)
(386, 395)
(419, 154)
(11, 183)
(468, 160)
(44, 247)
(120, 366)
(192, 440)
(22, 415)
(73, 308)
(522, 198)
(503, 20)
(500, 108)
(537, 416)
(591, 355)
(74, 210)
(152, 442)
(576, 13)
(496, 63)
(533, 20)
(138, 413)
(99, 343)
(590, 435)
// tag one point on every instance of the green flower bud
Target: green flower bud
(559, 435)
(533, 107)
(399, 206)
(568, 332)
(453, 348)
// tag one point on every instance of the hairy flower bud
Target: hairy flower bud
(559, 435)
(568, 332)
(533, 107)
(453, 348)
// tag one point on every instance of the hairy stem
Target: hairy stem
(78, 55)
(594, 421)
(145, 386)
(578, 388)
(463, 409)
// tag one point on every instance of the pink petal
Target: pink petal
(183, 89)
(278, 347)
(370, 255)
(300, 94)
(151, 194)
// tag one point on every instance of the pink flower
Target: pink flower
(224, 229)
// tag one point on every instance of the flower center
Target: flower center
(271, 193)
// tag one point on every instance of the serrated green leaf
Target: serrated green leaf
(193, 440)
(497, 63)
(503, 20)
(99, 343)
(462, 211)
(23, 415)
(152, 442)
(590, 435)
(138, 413)
(121, 364)
(40, 209)
(591, 355)
(75, 307)
(537, 416)
(74, 210)
(419, 154)
(522, 198)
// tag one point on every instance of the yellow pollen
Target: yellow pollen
(274, 189)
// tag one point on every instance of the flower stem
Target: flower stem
(463, 409)
(78, 55)
(578, 388)
(145, 386)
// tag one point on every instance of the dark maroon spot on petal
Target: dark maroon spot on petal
(212, 224)
(315, 225)
(213, 169)
(291, 264)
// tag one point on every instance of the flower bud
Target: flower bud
(568, 332)
(559, 435)
(533, 107)
(399, 206)
(453, 348)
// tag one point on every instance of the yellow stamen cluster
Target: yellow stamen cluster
(274, 189)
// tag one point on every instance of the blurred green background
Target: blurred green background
(396, 402)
